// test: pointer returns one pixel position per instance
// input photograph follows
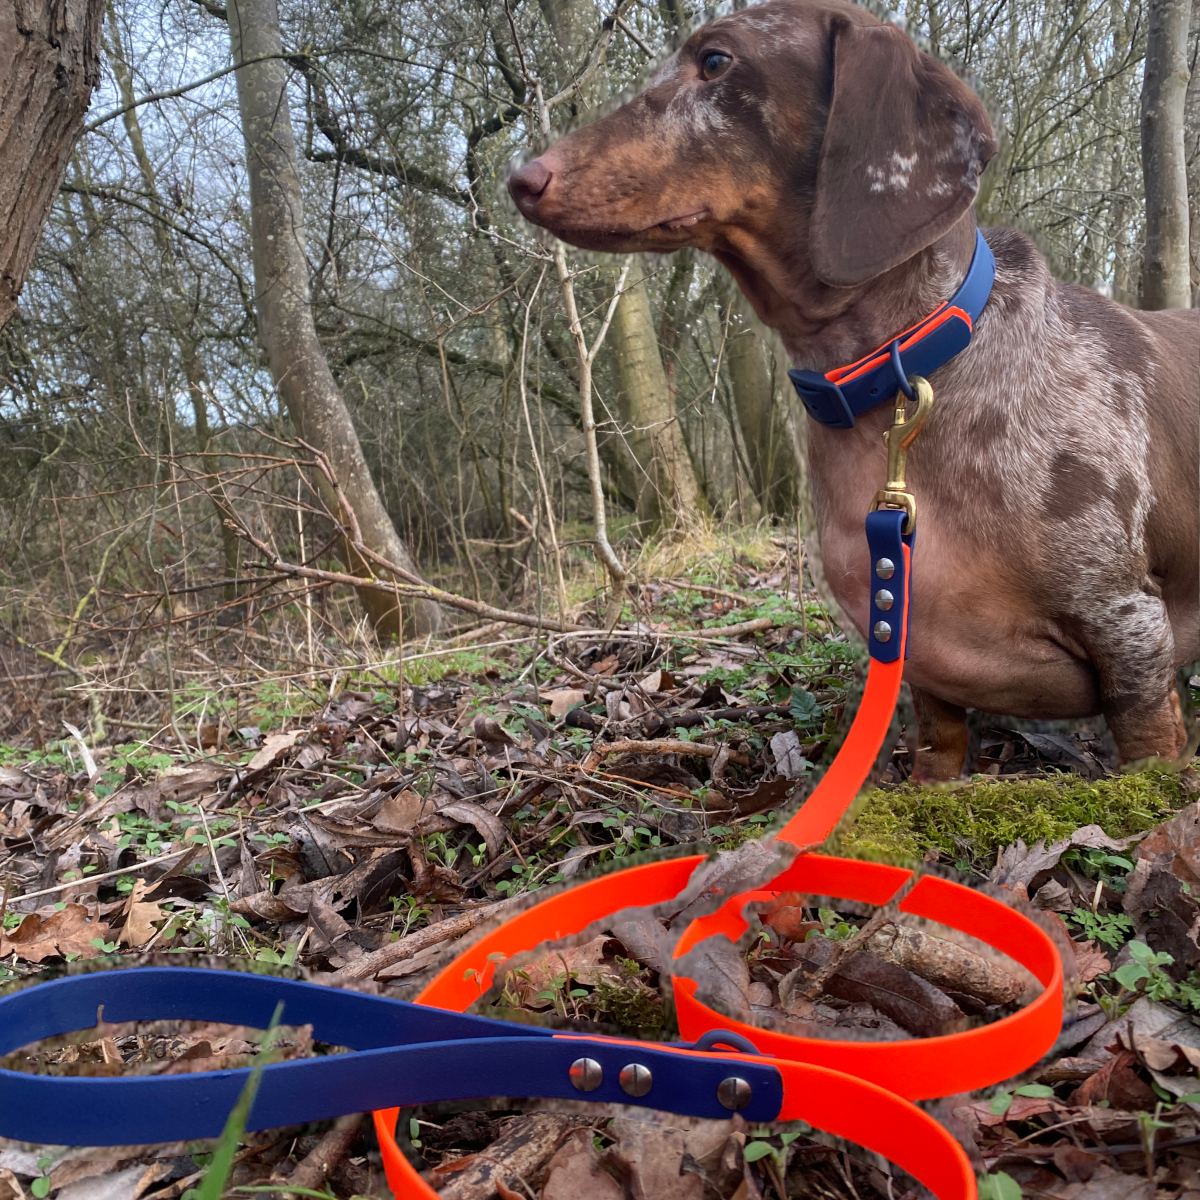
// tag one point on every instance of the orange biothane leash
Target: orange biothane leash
(862, 1091)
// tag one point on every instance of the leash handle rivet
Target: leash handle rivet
(734, 1093)
(586, 1074)
(883, 631)
(884, 599)
(635, 1079)
(885, 568)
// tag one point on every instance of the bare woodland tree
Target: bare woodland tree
(408, 314)
(1166, 281)
(49, 66)
(284, 299)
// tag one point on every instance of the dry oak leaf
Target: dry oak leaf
(399, 813)
(585, 963)
(10, 1186)
(66, 932)
(575, 1171)
(140, 916)
(273, 746)
(1090, 961)
(563, 700)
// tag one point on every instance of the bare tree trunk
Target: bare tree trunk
(1191, 134)
(1165, 275)
(284, 299)
(49, 64)
(667, 491)
(764, 432)
(179, 314)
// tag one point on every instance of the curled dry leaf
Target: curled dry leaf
(274, 745)
(906, 998)
(648, 1157)
(1090, 961)
(69, 931)
(490, 827)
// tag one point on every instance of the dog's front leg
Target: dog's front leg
(938, 746)
(1133, 650)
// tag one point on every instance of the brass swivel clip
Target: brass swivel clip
(898, 439)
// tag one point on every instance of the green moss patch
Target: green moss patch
(969, 823)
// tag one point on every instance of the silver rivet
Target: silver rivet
(883, 631)
(586, 1074)
(884, 599)
(885, 568)
(734, 1093)
(635, 1079)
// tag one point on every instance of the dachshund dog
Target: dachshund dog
(832, 168)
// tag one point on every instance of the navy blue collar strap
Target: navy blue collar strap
(403, 1054)
(840, 395)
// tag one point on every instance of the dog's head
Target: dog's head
(801, 129)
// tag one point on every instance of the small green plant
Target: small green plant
(832, 927)
(1112, 930)
(1143, 973)
(105, 947)
(999, 1185)
(40, 1187)
(1001, 1102)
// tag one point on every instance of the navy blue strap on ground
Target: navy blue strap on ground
(889, 582)
(921, 350)
(403, 1054)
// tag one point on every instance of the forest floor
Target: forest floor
(349, 825)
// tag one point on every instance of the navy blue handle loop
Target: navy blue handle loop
(403, 1054)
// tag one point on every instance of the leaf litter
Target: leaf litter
(359, 844)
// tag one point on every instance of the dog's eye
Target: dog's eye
(714, 63)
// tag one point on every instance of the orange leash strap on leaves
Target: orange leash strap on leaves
(862, 1091)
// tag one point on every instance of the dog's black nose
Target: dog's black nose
(527, 185)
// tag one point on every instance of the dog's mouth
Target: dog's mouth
(663, 234)
(684, 222)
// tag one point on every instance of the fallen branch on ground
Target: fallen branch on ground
(661, 746)
(371, 964)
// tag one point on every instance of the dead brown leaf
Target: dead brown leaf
(575, 1171)
(906, 998)
(1119, 1083)
(586, 964)
(564, 699)
(140, 915)
(490, 827)
(648, 1158)
(274, 745)
(399, 813)
(1090, 961)
(69, 931)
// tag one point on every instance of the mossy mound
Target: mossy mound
(971, 822)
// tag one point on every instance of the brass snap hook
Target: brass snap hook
(898, 439)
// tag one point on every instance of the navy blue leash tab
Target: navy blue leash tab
(890, 577)
(401, 1054)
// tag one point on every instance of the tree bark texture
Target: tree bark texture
(49, 64)
(284, 300)
(1165, 274)
(667, 492)
(1191, 135)
(762, 422)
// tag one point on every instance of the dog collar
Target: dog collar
(840, 395)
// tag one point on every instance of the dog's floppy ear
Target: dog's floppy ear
(904, 147)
